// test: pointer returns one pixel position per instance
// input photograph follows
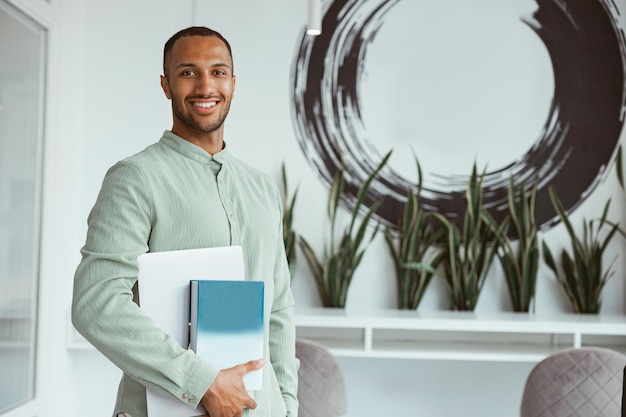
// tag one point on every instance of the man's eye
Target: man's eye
(219, 72)
(188, 73)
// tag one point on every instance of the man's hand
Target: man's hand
(227, 395)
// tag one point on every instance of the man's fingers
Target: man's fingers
(253, 365)
(251, 404)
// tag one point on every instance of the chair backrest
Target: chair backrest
(321, 386)
(581, 382)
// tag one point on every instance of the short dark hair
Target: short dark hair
(193, 31)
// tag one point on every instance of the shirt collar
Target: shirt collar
(192, 151)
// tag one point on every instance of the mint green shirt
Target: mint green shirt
(174, 195)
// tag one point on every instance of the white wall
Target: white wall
(110, 105)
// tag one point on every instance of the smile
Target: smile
(205, 105)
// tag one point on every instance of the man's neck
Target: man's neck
(212, 142)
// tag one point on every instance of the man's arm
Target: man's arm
(283, 332)
(103, 309)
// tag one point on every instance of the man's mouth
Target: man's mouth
(205, 105)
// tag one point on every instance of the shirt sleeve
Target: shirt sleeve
(282, 332)
(104, 305)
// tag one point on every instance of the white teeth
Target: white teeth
(205, 105)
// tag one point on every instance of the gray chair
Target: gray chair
(583, 382)
(321, 386)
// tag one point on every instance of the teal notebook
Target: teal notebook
(226, 324)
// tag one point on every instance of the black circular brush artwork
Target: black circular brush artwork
(578, 141)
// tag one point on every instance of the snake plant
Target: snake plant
(582, 274)
(469, 248)
(333, 272)
(290, 237)
(520, 260)
(414, 257)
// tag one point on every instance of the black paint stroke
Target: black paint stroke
(572, 152)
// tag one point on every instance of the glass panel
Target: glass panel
(22, 68)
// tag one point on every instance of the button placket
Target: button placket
(226, 202)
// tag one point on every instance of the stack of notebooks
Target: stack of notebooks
(200, 297)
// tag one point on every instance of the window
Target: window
(22, 76)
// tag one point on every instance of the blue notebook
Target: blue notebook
(226, 324)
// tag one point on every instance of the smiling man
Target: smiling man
(186, 191)
(199, 80)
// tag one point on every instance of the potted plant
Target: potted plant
(520, 259)
(334, 270)
(416, 238)
(582, 275)
(469, 248)
(290, 237)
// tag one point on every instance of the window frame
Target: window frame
(42, 12)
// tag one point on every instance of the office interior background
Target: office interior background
(455, 81)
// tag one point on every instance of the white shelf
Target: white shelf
(453, 335)
(447, 335)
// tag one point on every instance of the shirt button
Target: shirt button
(184, 395)
(191, 399)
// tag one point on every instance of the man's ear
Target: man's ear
(166, 87)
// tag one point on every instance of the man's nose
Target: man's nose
(205, 84)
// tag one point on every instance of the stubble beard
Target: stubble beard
(181, 113)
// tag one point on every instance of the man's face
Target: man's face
(200, 82)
